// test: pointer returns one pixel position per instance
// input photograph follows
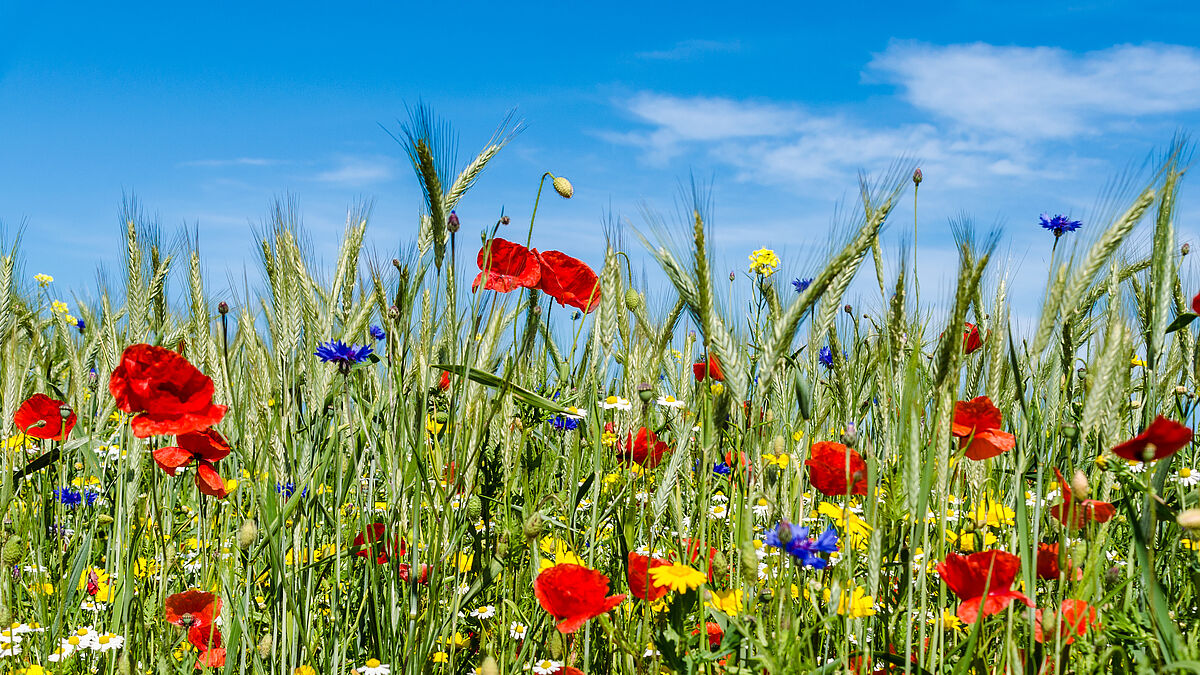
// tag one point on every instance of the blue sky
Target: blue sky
(1012, 109)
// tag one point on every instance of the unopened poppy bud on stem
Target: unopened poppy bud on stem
(1079, 485)
(632, 300)
(563, 187)
(247, 534)
(1189, 518)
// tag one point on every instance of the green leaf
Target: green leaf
(1181, 321)
(496, 382)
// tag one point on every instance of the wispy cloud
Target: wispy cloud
(1041, 92)
(988, 113)
(689, 49)
(237, 161)
(358, 171)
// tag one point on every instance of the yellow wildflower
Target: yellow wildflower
(764, 262)
(60, 307)
(781, 460)
(848, 522)
(678, 578)
(729, 602)
(608, 438)
(993, 514)
(716, 388)
(439, 657)
(304, 670)
(43, 280)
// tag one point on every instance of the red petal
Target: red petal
(172, 459)
(209, 481)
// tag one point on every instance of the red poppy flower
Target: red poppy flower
(192, 608)
(572, 594)
(209, 481)
(197, 446)
(646, 449)
(404, 571)
(971, 338)
(713, 630)
(1196, 304)
(1162, 438)
(708, 366)
(693, 555)
(444, 382)
(42, 417)
(637, 573)
(376, 542)
(977, 426)
(1075, 513)
(507, 266)
(1047, 563)
(170, 395)
(569, 281)
(1075, 617)
(207, 640)
(567, 670)
(834, 469)
(968, 576)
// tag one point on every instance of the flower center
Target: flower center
(373, 663)
(1185, 472)
(187, 620)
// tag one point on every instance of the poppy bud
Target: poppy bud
(720, 566)
(563, 187)
(749, 556)
(123, 665)
(104, 520)
(632, 300)
(504, 220)
(1079, 485)
(452, 222)
(1189, 518)
(803, 395)
(13, 552)
(64, 410)
(777, 445)
(489, 667)
(247, 534)
(918, 177)
(765, 595)
(850, 437)
(645, 392)
(474, 507)
(1185, 249)
(1069, 431)
(5, 615)
(533, 526)
(264, 646)
(222, 308)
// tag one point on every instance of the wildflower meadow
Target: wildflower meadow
(488, 456)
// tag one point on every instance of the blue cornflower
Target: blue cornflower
(826, 357)
(91, 496)
(801, 284)
(344, 355)
(564, 423)
(377, 332)
(722, 469)
(70, 498)
(1060, 224)
(286, 490)
(80, 325)
(796, 543)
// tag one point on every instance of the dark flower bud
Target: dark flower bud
(918, 177)
(504, 220)
(396, 263)
(850, 438)
(1185, 249)
(393, 312)
(848, 309)
(575, 316)
(732, 276)
(222, 308)
(784, 532)
(452, 222)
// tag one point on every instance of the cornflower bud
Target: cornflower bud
(452, 222)
(918, 177)
(1185, 249)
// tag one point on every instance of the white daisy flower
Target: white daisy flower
(463, 588)
(109, 641)
(61, 653)
(616, 402)
(1186, 477)
(484, 612)
(651, 652)
(517, 630)
(669, 402)
(761, 507)
(719, 511)
(10, 649)
(642, 496)
(1136, 466)
(374, 667)
(575, 413)
(546, 667)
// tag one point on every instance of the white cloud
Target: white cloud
(358, 171)
(688, 49)
(1041, 92)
